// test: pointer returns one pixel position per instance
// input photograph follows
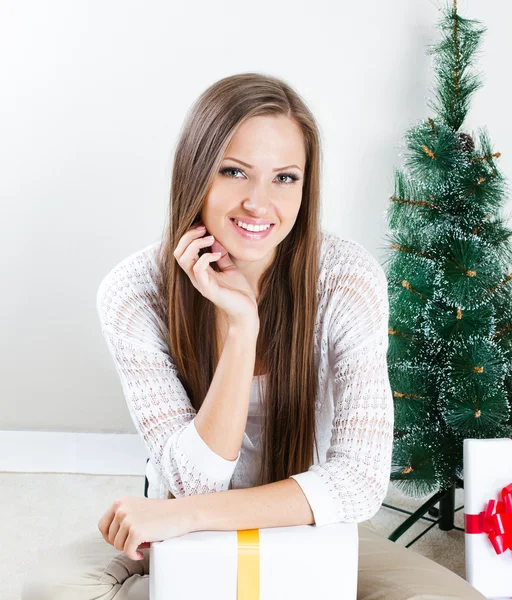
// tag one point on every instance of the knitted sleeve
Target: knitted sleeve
(157, 401)
(352, 483)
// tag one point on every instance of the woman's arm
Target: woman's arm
(351, 484)
(159, 406)
(222, 418)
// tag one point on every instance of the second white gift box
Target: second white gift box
(276, 563)
(488, 513)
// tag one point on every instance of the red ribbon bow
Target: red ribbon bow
(495, 520)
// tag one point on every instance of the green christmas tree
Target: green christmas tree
(448, 266)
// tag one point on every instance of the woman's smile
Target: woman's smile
(251, 235)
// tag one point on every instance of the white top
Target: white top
(255, 416)
(354, 406)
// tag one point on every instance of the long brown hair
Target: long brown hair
(287, 304)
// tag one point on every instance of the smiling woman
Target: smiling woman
(188, 330)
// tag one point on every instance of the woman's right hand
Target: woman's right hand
(227, 289)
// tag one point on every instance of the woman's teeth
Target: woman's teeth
(254, 228)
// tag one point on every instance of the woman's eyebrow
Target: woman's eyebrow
(251, 166)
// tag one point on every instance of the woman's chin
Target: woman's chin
(247, 255)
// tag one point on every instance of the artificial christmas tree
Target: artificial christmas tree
(449, 275)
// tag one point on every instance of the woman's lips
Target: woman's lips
(251, 235)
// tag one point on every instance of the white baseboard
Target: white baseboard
(59, 452)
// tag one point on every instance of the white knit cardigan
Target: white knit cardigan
(354, 406)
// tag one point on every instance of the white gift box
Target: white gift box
(300, 562)
(487, 470)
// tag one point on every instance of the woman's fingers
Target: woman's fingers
(186, 239)
(131, 546)
(105, 522)
(187, 251)
(120, 539)
(201, 266)
(113, 531)
(190, 255)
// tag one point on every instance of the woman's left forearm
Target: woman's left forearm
(278, 504)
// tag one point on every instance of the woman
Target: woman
(255, 372)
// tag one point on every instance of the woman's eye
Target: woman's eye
(291, 176)
(227, 169)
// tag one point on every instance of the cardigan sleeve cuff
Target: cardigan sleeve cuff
(322, 505)
(205, 460)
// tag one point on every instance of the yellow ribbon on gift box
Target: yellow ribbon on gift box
(248, 584)
(248, 587)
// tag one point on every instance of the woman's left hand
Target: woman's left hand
(133, 521)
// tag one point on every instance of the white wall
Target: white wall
(93, 96)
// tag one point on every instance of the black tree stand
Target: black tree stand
(445, 513)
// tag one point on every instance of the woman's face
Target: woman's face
(267, 188)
